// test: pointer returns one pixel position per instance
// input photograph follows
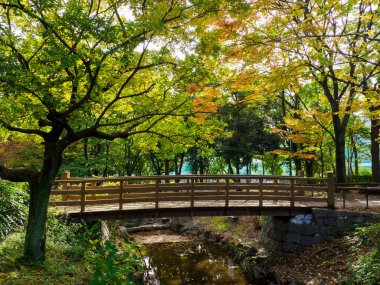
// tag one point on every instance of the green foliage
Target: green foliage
(64, 265)
(362, 178)
(13, 209)
(220, 223)
(111, 264)
(366, 268)
(75, 256)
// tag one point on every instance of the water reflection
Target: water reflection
(190, 263)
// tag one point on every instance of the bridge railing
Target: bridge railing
(360, 188)
(191, 191)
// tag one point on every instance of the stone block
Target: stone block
(290, 246)
(329, 231)
(310, 240)
(311, 230)
(319, 222)
(292, 228)
(357, 221)
(344, 223)
(329, 222)
(292, 237)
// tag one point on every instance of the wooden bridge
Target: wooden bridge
(191, 195)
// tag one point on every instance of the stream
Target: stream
(188, 261)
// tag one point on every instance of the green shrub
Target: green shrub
(114, 265)
(365, 269)
(13, 206)
(361, 178)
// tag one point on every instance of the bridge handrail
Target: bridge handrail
(191, 188)
(176, 177)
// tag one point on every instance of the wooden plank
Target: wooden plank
(175, 199)
(311, 188)
(102, 197)
(261, 192)
(227, 192)
(309, 199)
(65, 192)
(65, 203)
(351, 188)
(275, 198)
(244, 197)
(292, 193)
(102, 202)
(103, 191)
(149, 195)
(276, 187)
(139, 200)
(243, 193)
(184, 177)
(208, 198)
(133, 188)
(174, 187)
(83, 197)
(192, 194)
(121, 195)
(205, 193)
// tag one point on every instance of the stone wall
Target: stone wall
(279, 233)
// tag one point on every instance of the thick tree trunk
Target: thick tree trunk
(35, 239)
(340, 158)
(40, 187)
(309, 167)
(375, 153)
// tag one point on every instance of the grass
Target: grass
(64, 264)
(220, 223)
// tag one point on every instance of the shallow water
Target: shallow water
(192, 262)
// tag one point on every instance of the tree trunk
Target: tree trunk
(375, 153)
(35, 239)
(309, 167)
(355, 154)
(322, 160)
(230, 169)
(167, 170)
(40, 187)
(340, 158)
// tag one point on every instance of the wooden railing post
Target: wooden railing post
(121, 195)
(275, 182)
(330, 190)
(344, 198)
(260, 192)
(192, 193)
(65, 175)
(292, 193)
(227, 192)
(301, 173)
(83, 196)
(156, 189)
(93, 186)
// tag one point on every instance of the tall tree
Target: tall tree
(333, 43)
(77, 69)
